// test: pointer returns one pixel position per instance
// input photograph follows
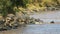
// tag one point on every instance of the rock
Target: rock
(2, 22)
(3, 29)
(8, 27)
(37, 20)
(10, 19)
(15, 26)
(32, 22)
(52, 22)
(10, 15)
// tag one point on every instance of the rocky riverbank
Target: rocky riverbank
(12, 21)
(15, 21)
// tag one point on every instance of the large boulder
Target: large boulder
(9, 19)
(52, 22)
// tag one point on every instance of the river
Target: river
(40, 29)
(36, 29)
(48, 16)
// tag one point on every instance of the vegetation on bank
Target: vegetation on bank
(13, 6)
